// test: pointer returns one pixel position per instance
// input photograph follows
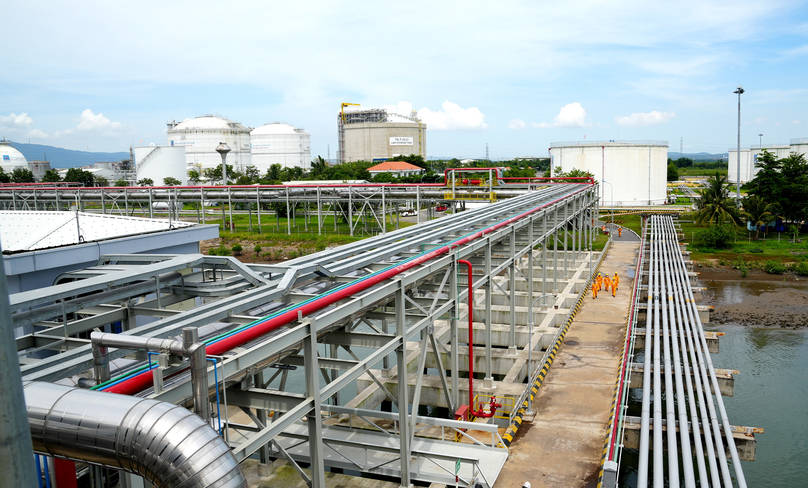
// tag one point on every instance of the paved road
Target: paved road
(563, 444)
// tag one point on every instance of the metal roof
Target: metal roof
(277, 128)
(395, 166)
(22, 231)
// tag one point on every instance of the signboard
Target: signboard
(401, 141)
(457, 466)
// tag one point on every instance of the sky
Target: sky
(515, 76)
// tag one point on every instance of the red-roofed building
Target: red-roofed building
(396, 168)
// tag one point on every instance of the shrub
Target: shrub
(774, 267)
(257, 249)
(268, 256)
(716, 237)
(237, 249)
(219, 251)
(277, 255)
(801, 268)
(293, 254)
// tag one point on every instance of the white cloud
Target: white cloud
(645, 119)
(37, 133)
(571, 115)
(20, 125)
(760, 120)
(796, 122)
(516, 124)
(15, 122)
(96, 124)
(452, 117)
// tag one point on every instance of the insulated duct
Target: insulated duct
(166, 444)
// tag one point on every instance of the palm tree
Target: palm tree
(758, 211)
(715, 205)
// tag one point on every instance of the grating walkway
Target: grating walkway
(564, 443)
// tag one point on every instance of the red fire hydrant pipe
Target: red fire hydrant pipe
(471, 333)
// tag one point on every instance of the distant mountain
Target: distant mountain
(65, 158)
(702, 156)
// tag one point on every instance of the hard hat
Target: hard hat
(526, 485)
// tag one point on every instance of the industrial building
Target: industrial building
(375, 134)
(38, 246)
(750, 155)
(159, 162)
(200, 136)
(632, 172)
(396, 168)
(279, 143)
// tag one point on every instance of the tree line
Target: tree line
(778, 190)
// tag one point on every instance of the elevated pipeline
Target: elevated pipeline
(143, 380)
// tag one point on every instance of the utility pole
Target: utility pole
(486, 152)
(681, 154)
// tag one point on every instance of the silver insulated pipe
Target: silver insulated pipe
(166, 444)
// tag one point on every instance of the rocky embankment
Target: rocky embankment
(787, 308)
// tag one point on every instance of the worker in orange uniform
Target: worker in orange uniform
(619, 232)
(594, 290)
(615, 283)
(607, 282)
(599, 281)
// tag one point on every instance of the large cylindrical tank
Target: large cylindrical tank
(10, 158)
(747, 165)
(800, 146)
(366, 141)
(633, 173)
(160, 162)
(749, 158)
(279, 143)
(201, 135)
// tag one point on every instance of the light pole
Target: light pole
(612, 192)
(223, 149)
(761, 140)
(530, 343)
(739, 91)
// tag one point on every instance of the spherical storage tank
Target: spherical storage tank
(279, 143)
(10, 158)
(159, 162)
(201, 135)
(633, 172)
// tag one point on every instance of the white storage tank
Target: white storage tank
(633, 172)
(279, 143)
(749, 157)
(201, 135)
(800, 145)
(159, 162)
(10, 158)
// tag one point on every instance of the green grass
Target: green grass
(633, 222)
(775, 247)
(701, 172)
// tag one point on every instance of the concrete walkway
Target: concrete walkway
(564, 443)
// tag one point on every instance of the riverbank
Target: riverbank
(758, 303)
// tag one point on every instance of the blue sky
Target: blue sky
(515, 75)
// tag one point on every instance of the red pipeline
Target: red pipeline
(494, 404)
(625, 358)
(144, 380)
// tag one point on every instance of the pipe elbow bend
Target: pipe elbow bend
(166, 444)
